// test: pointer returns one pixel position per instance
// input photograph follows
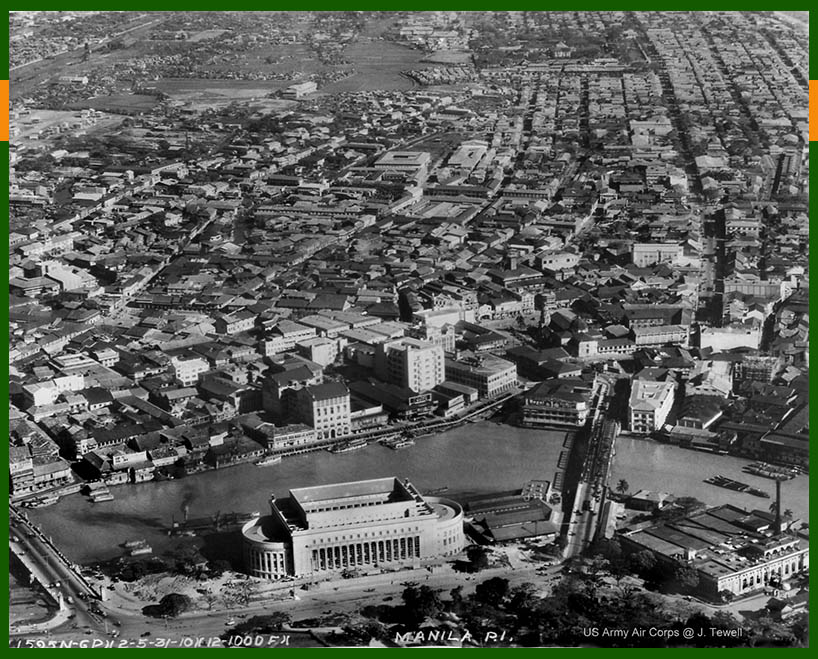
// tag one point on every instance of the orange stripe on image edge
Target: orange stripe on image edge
(4, 126)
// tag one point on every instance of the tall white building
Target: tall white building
(411, 363)
(649, 405)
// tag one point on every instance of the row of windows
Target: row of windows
(367, 534)
(328, 411)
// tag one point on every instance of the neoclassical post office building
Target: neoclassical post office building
(384, 521)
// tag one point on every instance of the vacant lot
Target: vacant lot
(182, 86)
(378, 65)
(120, 103)
(204, 35)
(450, 57)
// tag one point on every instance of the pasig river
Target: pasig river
(474, 458)
(649, 465)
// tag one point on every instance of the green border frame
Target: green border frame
(423, 5)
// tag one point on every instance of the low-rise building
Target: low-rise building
(284, 336)
(659, 335)
(731, 550)
(188, 367)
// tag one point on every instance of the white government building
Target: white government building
(384, 521)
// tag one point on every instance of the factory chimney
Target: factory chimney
(778, 525)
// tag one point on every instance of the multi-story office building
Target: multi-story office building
(649, 405)
(489, 374)
(559, 402)
(233, 323)
(444, 335)
(646, 254)
(411, 363)
(659, 335)
(284, 336)
(384, 521)
(326, 408)
(188, 367)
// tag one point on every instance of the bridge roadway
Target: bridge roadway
(58, 576)
(589, 498)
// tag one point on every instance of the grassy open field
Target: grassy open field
(119, 103)
(180, 86)
(449, 57)
(378, 65)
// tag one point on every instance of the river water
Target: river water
(648, 465)
(475, 458)
(478, 457)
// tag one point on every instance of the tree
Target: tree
(643, 561)
(478, 557)
(522, 598)
(421, 602)
(726, 596)
(170, 606)
(800, 629)
(686, 578)
(622, 486)
(457, 596)
(218, 567)
(492, 591)
(363, 633)
(607, 548)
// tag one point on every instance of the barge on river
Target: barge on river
(736, 486)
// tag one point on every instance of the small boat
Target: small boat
(41, 502)
(138, 548)
(348, 447)
(438, 490)
(403, 442)
(268, 460)
(133, 544)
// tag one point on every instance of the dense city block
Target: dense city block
(308, 260)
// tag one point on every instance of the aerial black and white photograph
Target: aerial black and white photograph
(408, 329)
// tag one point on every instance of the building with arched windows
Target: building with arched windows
(318, 530)
(731, 549)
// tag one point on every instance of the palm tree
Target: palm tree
(622, 486)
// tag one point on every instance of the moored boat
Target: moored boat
(404, 442)
(348, 447)
(736, 486)
(268, 460)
